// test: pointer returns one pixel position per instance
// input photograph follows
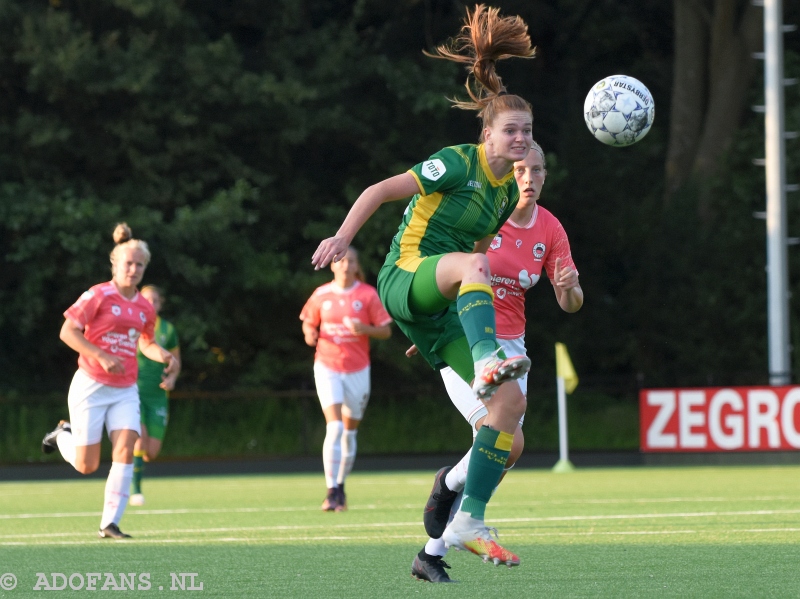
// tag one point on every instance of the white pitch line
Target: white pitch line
(367, 525)
(188, 541)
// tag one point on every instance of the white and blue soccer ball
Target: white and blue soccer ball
(619, 110)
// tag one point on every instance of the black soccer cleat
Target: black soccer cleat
(437, 509)
(112, 531)
(430, 570)
(49, 444)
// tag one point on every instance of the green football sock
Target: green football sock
(490, 451)
(476, 312)
(138, 467)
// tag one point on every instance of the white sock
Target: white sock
(66, 445)
(349, 446)
(435, 547)
(457, 477)
(116, 497)
(332, 452)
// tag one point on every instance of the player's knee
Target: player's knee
(478, 263)
(86, 467)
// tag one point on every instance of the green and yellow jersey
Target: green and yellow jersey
(150, 372)
(460, 202)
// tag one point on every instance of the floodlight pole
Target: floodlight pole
(775, 163)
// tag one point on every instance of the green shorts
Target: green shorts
(154, 406)
(439, 337)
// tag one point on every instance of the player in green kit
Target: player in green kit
(153, 395)
(435, 281)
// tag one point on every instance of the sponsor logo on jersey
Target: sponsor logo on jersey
(133, 334)
(500, 292)
(526, 281)
(539, 250)
(496, 242)
(357, 305)
(519, 243)
(116, 310)
(475, 184)
(326, 305)
(433, 169)
(142, 317)
(498, 280)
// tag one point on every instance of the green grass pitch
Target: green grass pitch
(639, 532)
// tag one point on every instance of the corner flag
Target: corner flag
(564, 368)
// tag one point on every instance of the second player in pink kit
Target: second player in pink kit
(339, 318)
(530, 245)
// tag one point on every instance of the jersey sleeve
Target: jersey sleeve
(310, 312)
(560, 249)
(172, 338)
(378, 316)
(445, 170)
(85, 309)
(149, 327)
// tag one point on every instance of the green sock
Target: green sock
(476, 312)
(138, 467)
(487, 461)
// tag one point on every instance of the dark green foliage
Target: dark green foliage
(234, 136)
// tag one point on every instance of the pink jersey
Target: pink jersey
(516, 257)
(114, 324)
(338, 348)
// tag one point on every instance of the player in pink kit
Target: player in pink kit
(105, 326)
(530, 242)
(339, 318)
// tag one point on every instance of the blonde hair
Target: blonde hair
(485, 38)
(535, 147)
(153, 288)
(123, 237)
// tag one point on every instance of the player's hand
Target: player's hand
(168, 383)
(172, 366)
(412, 351)
(565, 278)
(355, 326)
(111, 364)
(330, 250)
(311, 337)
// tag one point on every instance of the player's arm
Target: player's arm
(359, 328)
(168, 382)
(388, 190)
(482, 246)
(73, 336)
(310, 333)
(153, 351)
(569, 294)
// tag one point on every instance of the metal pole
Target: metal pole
(563, 464)
(777, 263)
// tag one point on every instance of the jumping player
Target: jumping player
(435, 280)
(531, 241)
(338, 319)
(154, 387)
(105, 326)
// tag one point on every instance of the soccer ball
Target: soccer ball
(619, 110)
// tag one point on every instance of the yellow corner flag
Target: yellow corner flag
(564, 368)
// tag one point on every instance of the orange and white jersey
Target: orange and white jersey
(517, 256)
(328, 307)
(114, 324)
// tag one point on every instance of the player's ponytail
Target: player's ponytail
(123, 238)
(485, 38)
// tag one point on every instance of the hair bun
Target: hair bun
(122, 233)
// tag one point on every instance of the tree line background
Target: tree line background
(233, 136)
